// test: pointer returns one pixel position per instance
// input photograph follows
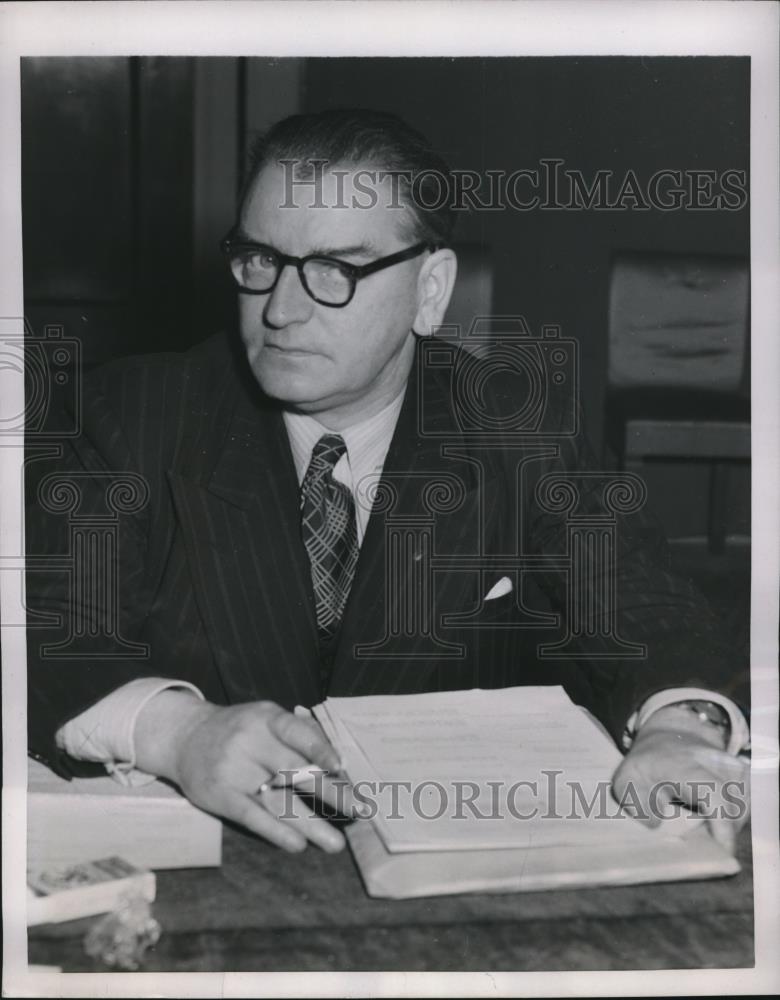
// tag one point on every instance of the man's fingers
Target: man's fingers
(724, 831)
(336, 793)
(286, 807)
(305, 736)
(721, 822)
(247, 812)
(720, 761)
(711, 795)
(649, 802)
(660, 804)
(282, 818)
(339, 795)
(249, 769)
(715, 788)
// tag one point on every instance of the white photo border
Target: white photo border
(405, 27)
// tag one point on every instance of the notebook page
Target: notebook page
(468, 770)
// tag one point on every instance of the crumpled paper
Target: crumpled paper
(121, 938)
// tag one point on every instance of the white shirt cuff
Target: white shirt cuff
(104, 733)
(739, 738)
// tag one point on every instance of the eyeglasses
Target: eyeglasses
(329, 281)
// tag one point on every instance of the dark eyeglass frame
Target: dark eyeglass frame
(231, 247)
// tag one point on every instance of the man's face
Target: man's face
(339, 364)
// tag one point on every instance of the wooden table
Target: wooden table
(264, 910)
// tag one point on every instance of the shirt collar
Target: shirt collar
(367, 441)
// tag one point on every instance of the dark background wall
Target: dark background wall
(614, 114)
(131, 168)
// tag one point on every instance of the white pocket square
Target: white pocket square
(504, 586)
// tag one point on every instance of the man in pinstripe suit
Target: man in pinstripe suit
(254, 578)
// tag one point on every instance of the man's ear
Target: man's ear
(435, 283)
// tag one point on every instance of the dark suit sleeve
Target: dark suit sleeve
(650, 606)
(87, 551)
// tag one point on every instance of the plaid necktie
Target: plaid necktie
(329, 533)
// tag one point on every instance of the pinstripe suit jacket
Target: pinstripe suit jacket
(213, 583)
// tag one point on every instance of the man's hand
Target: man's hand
(220, 756)
(677, 758)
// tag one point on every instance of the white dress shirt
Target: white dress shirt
(104, 732)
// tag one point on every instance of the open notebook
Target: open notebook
(497, 790)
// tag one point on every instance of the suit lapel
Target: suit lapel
(249, 566)
(236, 496)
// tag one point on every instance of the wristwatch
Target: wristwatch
(708, 711)
(730, 723)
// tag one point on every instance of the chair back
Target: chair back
(679, 322)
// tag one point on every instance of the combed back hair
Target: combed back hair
(375, 140)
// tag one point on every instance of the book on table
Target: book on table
(150, 825)
(498, 791)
